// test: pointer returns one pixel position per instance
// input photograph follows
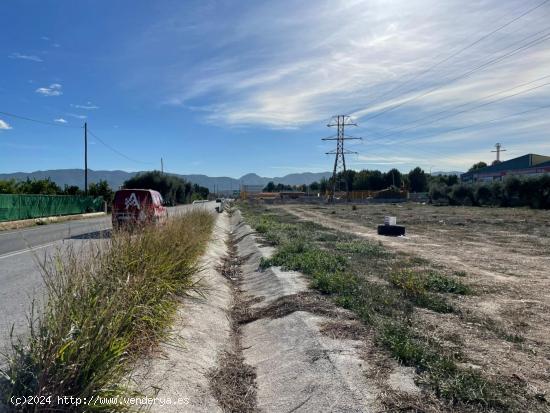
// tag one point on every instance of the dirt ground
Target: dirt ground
(502, 253)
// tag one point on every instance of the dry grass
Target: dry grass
(233, 382)
(305, 301)
(346, 330)
(105, 308)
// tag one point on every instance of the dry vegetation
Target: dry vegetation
(233, 382)
(106, 307)
(464, 298)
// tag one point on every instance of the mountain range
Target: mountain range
(115, 179)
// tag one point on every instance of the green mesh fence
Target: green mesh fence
(15, 207)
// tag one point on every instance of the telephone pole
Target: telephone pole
(498, 146)
(340, 121)
(85, 158)
(161, 166)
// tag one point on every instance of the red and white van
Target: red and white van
(138, 206)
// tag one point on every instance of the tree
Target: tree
(173, 189)
(8, 187)
(200, 192)
(270, 187)
(477, 166)
(323, 185)
(314, 186)
(392, 178)
(72, 190)
(360, 180)
(347, 179)
(448, 180)
(375, 181)
(39, 186)
(103, 189)
(418, 180)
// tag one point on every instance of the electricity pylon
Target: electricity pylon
(340, 121)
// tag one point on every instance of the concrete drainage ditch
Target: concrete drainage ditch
(232, 381)
(261, 340)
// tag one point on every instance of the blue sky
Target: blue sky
(231, 87)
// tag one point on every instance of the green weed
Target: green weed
(415, 287)
(365, 248)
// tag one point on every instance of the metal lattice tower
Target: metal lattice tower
(340, 121)
(499, 149)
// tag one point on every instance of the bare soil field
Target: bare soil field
(503, 254)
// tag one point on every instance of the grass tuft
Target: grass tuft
(416, 288)
(105, 307)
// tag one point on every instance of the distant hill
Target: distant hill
(115, 179)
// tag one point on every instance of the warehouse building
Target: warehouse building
(526, 165)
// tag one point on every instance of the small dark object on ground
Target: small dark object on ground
(391, 230)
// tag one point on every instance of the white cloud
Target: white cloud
(87, 106)
(76, 116)
(53, 90)
(32, 58)
(4, 125)
(60, 120)
(296, 69)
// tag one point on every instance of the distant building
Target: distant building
(291, 194)
(526, 165)
(252, 189)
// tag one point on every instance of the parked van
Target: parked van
(138, 206)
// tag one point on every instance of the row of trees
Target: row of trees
(49, 187)
(174, 190)
(513, 191)
(365, 180)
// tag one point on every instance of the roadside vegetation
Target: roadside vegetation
(49, 187)
(514, 191)
(387, 291)
(174, 190)
(106, 306)
(365, 180)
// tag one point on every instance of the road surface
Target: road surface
(21, 252)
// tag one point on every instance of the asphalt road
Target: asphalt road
(21, 253)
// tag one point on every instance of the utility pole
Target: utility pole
(161, 166)
(85, 158)
(340, 121)
(498, 146)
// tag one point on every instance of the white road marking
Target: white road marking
(38, 247)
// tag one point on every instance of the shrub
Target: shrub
(484, 195)
(462, 194)
(513, 191)
(438, 192)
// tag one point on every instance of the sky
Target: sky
(225, 88)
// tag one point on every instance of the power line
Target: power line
(429, 69)
(464, 104)
(463, 75)
(117, 151)
(26, 118)
(44, 122)
(474, 124)
(416, 125)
